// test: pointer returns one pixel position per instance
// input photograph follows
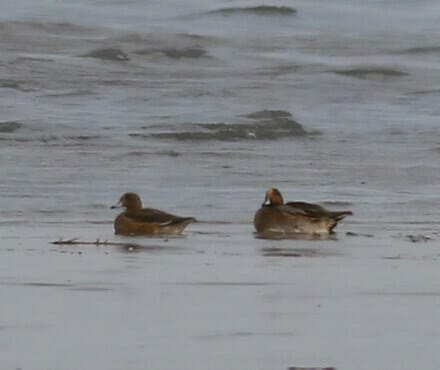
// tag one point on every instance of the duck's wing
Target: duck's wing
(313, 210)
(151, 215)
(308, 209)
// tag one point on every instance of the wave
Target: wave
(421, 50)
(425, 92)
(166, 153)
(375, 73)
(11, 84)
(263, 125)
(159, 40)
(50, 140)
(265, 10)
(118, 55)
(109, 54)
(175, 53)
(48, 27)
(73, 141)
(9, 126)
(69, 93)
(269, 114)
(279, 70)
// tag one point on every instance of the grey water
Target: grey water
(199, 107)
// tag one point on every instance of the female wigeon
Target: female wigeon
(136, 220)
(275, 216)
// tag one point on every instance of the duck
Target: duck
(275, 216)
(136, 220)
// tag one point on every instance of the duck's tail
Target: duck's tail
(189, 220)
(184, 220)
(339, 215)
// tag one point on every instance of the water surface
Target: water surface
(199, 107)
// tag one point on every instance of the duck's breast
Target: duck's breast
(127, 226)
(270, 219)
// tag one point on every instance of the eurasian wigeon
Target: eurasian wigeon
(136, 220)
(275, 216)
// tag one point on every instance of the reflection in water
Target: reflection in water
(84, 287)
(310, 368)
(294, 236)
(122, 246)
(296, 252)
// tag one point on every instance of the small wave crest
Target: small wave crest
(176, 53)
(49, 140)
(108, 54)
(9, 126)
(166, 153)
(265, 10)
(269, 115)
(260, 125)
(48, 27)
(373, 73)
(421, 50)
(10, 84)
(69, 93)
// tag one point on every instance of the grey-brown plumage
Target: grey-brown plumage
(136, 220)
(275, 216)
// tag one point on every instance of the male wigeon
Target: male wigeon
(136, 220)
(275, 216)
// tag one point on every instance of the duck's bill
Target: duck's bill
(117, 205)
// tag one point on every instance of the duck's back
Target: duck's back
(148, 221)
(297, 217)
(151, 215)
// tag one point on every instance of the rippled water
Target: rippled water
(199, 107)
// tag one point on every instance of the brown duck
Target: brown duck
(275, 216)
(136, 220)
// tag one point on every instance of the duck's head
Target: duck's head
(273, 198)
(131, 201)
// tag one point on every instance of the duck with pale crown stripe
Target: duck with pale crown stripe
(275, 216)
